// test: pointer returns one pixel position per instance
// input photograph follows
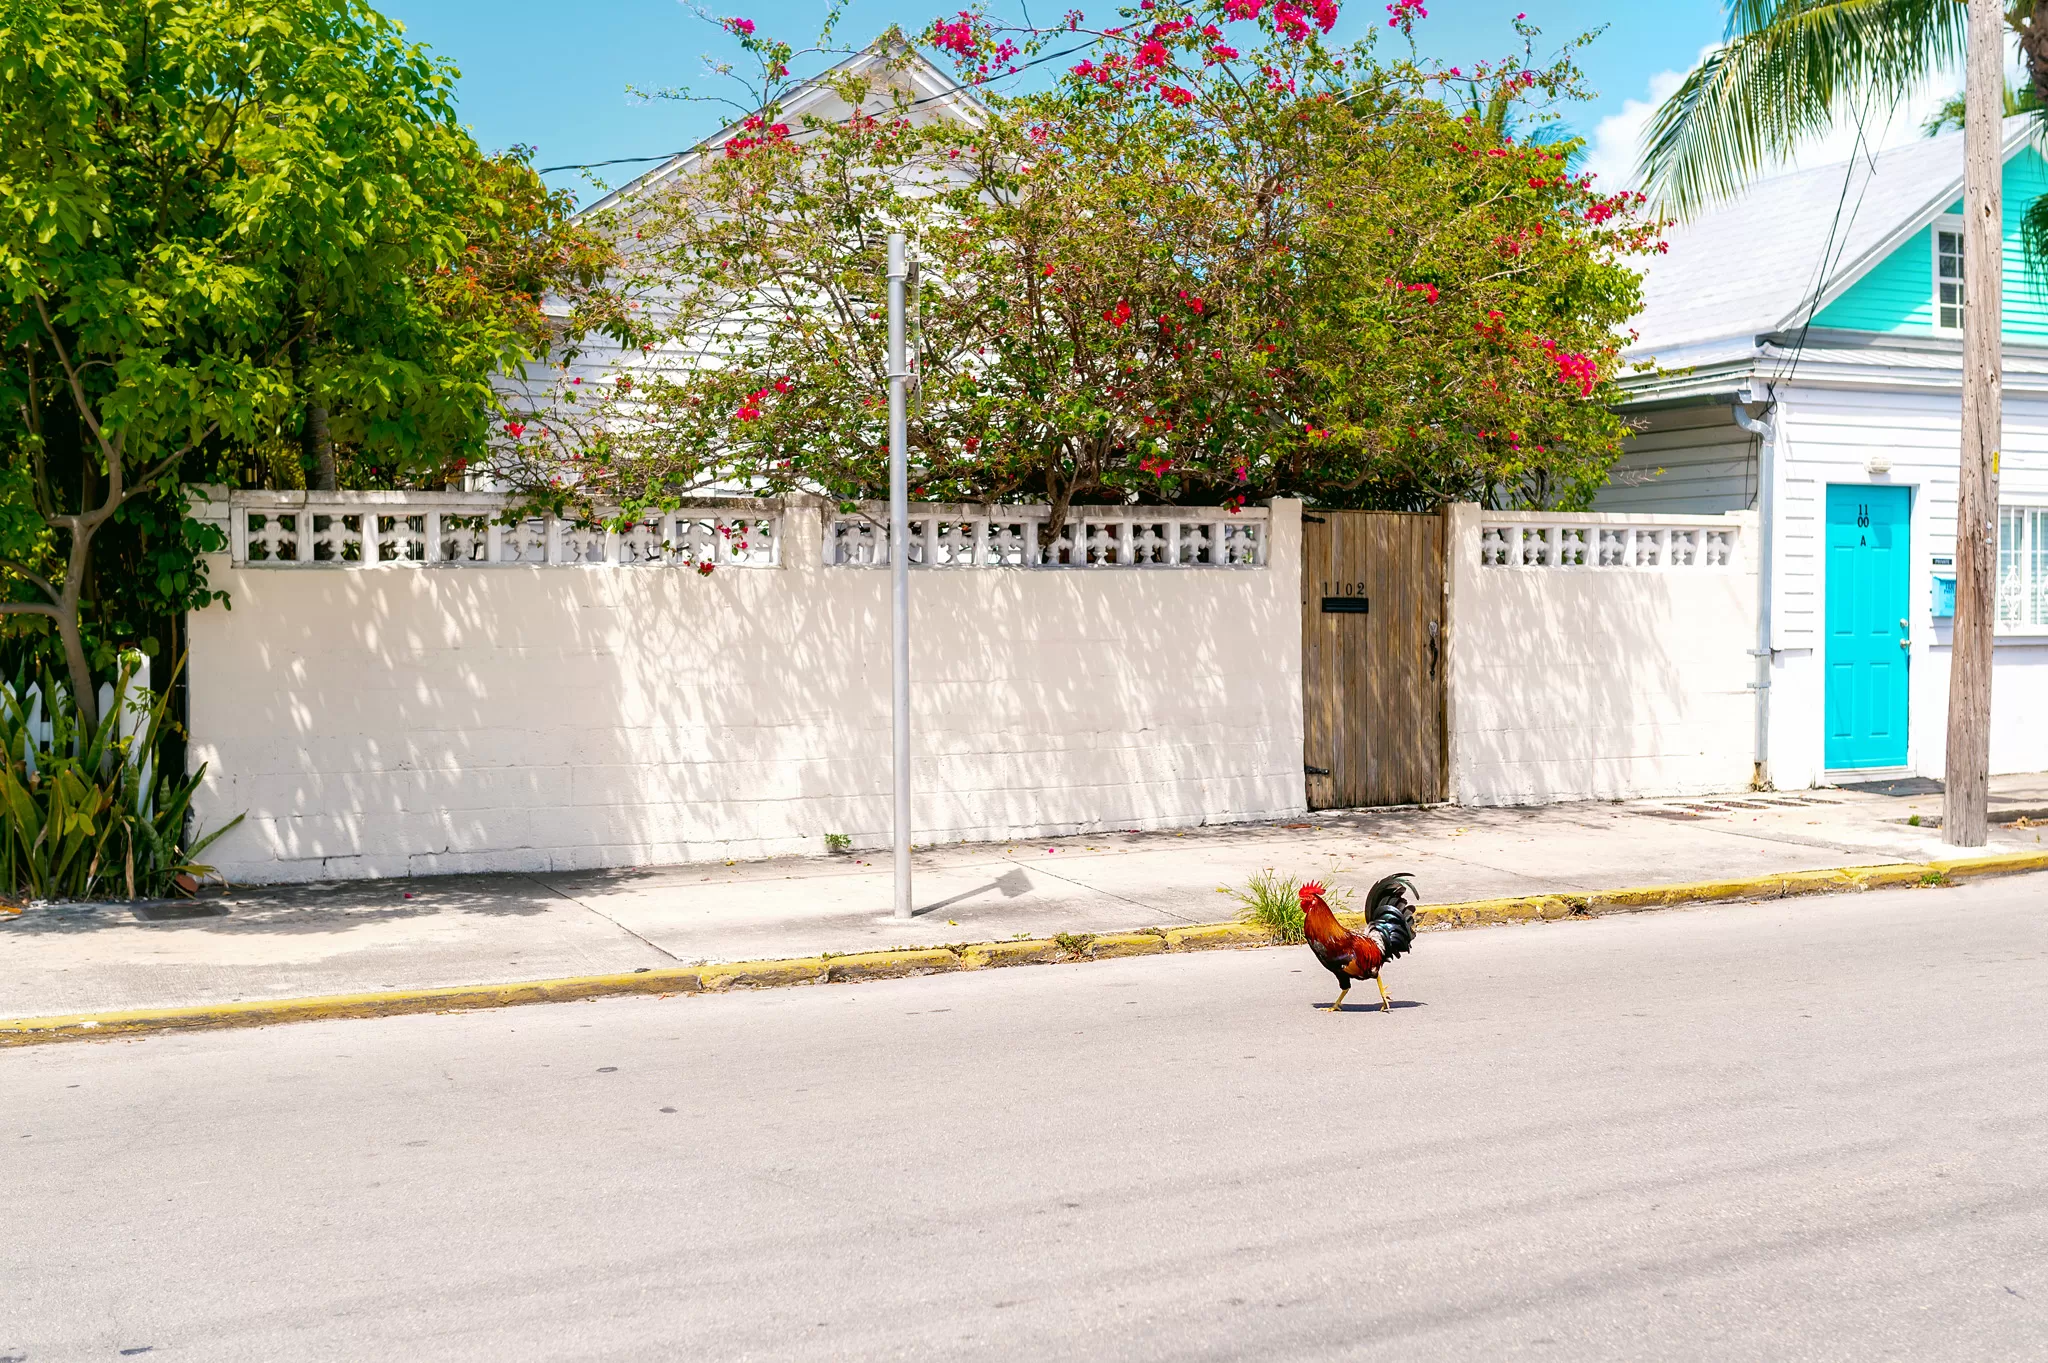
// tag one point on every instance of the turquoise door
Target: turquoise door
(1867, 625)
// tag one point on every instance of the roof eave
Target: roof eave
(808, 94)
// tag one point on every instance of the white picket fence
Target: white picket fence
(133, 723)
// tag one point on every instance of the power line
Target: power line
(1824, 267)
(927, 99)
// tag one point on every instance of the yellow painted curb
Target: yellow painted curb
(929, 960)
(1211, 935)
(2004, 863)
(762, 974)
(883, 965)
(1037, 951)
(388, 1003)
(1111, 945)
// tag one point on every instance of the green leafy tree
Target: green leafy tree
(226, 226)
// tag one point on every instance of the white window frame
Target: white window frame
(1951, 223)
(2020, 600)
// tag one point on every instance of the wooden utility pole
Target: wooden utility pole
(1963, 819)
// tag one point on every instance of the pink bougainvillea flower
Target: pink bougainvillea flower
(1118, 315)
(1176, 96)
(957, 36)
(515, 429)
(704, 570)
(743, 27)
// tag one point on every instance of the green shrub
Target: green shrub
(1274, 901)
(79, 816)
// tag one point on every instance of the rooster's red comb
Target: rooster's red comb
(1312, 890)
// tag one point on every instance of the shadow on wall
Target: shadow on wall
(1598, 683)
(394, 721)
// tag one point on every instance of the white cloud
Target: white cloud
(1617, 141)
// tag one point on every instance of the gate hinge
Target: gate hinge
(1313, 771)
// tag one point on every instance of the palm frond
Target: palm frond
(1790, 69)
(2019, 99)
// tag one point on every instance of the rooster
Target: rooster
(1389, 931)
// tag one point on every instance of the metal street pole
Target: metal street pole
(899, 567)
(1966, 781)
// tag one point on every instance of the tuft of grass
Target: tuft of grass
(838, 844)
(1075, 943)
(1914, 821)
(1274, 901)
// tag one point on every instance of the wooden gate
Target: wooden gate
(1372, 673)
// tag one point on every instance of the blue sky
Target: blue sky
(555, 75)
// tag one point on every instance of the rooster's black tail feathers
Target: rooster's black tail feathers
(1390, 914)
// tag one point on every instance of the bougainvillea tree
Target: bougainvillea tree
(1218, 259)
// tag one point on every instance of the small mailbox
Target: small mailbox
(1347, 605)
(1944, 598)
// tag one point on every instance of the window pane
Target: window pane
(2011, 565)
(2038, 529)
(1948, 279)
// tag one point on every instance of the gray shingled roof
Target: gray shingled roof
(1754, 264)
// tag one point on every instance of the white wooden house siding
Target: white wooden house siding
(1692, 461)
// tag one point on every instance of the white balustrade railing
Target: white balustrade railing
(1595, 541)
(481, 530)
(425, 529)
(1090, 537)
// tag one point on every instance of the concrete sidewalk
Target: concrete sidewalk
(408, 934)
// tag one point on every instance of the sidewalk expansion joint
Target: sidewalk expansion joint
(593, 909)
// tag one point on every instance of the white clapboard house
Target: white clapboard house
(1807, 343)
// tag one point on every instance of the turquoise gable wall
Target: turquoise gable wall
(1897, 294)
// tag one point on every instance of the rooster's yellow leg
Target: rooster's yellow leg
(1386, 1004)
(1339, 1004)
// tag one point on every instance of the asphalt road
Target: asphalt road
(1806, 1130)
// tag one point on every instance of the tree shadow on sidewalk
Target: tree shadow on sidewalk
(317, 907)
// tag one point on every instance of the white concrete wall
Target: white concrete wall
(403, 720)
(1594, 683)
